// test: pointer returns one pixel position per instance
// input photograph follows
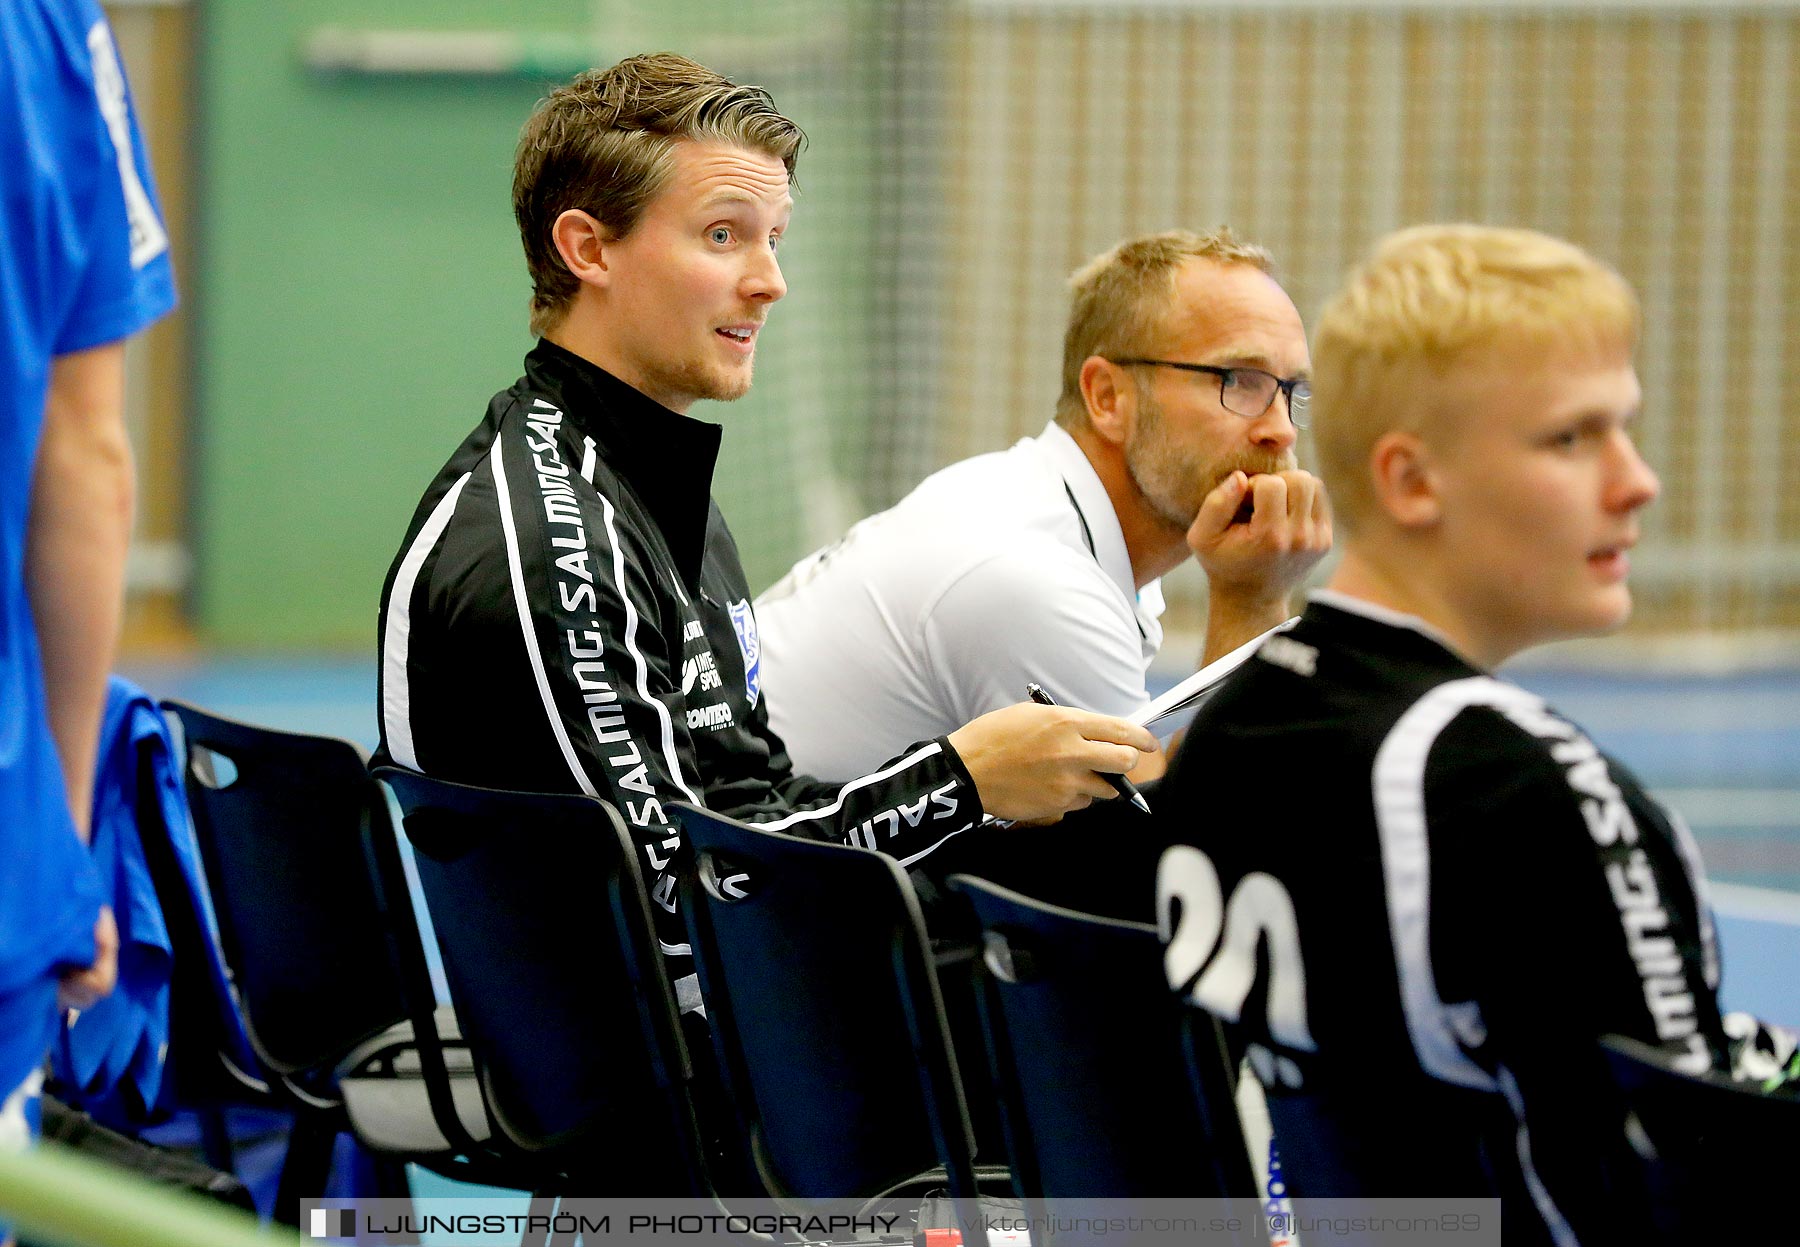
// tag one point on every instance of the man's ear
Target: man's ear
(1405, 483)
(1111, 399)
(581, 242)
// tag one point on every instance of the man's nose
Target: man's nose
(763, 280)
(1275, 429)
(1636, 484)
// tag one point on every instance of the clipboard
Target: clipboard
(1186, 696)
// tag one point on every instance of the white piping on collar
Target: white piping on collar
(1387, 615)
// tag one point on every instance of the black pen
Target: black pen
(1124, 787)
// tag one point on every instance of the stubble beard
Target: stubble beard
(1172, 483)
(694, 380)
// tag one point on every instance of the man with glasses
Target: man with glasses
(1183, 382)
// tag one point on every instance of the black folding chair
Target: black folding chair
(291, 831)
(554, 968)
(206, 1070)
(1695, 1143)
(827, 1017)
(1350, 1134)
(1092, 1056)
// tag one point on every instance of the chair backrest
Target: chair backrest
(1091, 1056)
(826, 1012)
(1697, 1142)
(1351, 1134)
(1359, 1128)
(209, 1058)
(553, 966)
(283, 822)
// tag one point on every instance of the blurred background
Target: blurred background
(337, 175)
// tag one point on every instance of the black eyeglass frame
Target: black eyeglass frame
(1285, 388)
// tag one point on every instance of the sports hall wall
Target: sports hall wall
(359, 290)
(355, 289)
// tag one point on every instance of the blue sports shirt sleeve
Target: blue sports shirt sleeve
(83, 262)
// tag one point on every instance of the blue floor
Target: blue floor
(321, 694)
(1723, 750)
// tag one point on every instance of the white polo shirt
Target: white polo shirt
(1002, 569)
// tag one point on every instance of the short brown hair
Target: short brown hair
(604, 143)
(1118, 299)
(1434, 298)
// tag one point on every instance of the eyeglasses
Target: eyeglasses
(1248, 392)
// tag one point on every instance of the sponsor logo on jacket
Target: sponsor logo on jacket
(743, 621)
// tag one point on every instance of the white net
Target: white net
(1006, 142)
(967, 154)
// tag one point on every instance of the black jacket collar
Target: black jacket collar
(665, 458)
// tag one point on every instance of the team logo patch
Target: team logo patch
(743, 621)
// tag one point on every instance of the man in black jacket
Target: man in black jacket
(1422, 943)
(568, 611)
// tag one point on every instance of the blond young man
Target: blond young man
(568, 611)
(1457, 891)
(1183, 379)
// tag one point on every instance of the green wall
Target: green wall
(361, 294)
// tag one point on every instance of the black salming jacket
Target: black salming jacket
(1422, 940)
(568, 613)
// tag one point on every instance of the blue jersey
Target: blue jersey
(110, 1062)
(83, 262)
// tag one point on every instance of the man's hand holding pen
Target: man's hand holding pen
(1035, 763)
(1120, 784)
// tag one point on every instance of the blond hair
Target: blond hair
(1430, 300)
(1120, 298)
(604, 143)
